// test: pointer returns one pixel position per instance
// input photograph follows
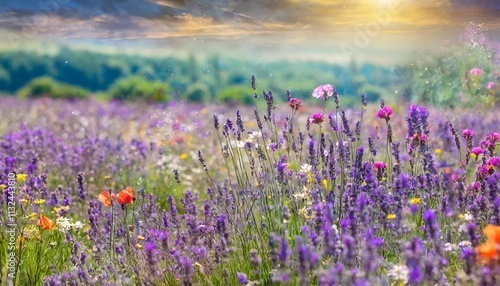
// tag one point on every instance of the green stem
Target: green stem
(126, 228)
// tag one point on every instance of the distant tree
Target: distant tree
(193, 68)
(237, 95)
(198, 92)
(46, 86)
(138, 88)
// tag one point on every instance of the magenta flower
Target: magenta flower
(467, 133)
(323, 91)
(493, 161)
(475, 185)
(316, 118)
(485, 170)
(423, 138)
(385, 113)
(477, 151)
(295, 103)
(491, 85)
(476, 72)
(379, 165)
(491, 140)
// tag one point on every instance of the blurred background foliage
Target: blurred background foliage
(438, 78)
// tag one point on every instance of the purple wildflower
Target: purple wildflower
(242, 278)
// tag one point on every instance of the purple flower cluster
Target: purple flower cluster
(268, 204)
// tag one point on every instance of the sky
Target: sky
(310, 28)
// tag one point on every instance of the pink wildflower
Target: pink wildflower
(295, 103)
(316, 118)
(385, 113)
(323, 91)
(467, 133)
(477, 150)
(491, 85)
(493, 161)
(379, 165)
(476, 71)
(475, 185)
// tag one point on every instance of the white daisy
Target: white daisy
(399, 272)
(77, 225)
(305, 168)
(63, 224)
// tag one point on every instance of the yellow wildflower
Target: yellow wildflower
(473, 155)
(437, 151)
(461, 216)
(19, 241)
(391, 216)
(303, 211)
(39, 201)
(184, 156)
(2, 187)
(415, 201)
(21, 178)
(138, 246)
(140, 237)
(310, 177)
(32, 216)
(325, 183)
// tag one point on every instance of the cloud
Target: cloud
(297, 19)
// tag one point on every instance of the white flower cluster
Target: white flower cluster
(454, 247)
(251, 139)
(399, 273)
(63, 224)
(305, 168)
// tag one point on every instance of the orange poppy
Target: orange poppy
(489, 250)
(105, 198)
(45, 223)
(492, 232)
(126, 196)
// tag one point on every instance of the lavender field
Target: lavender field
(280, 194)
(249, 142)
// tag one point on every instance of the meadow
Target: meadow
(289, 193)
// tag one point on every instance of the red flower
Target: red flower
(126, 196)
(105, 198)
(46, 223)
(488, 251)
